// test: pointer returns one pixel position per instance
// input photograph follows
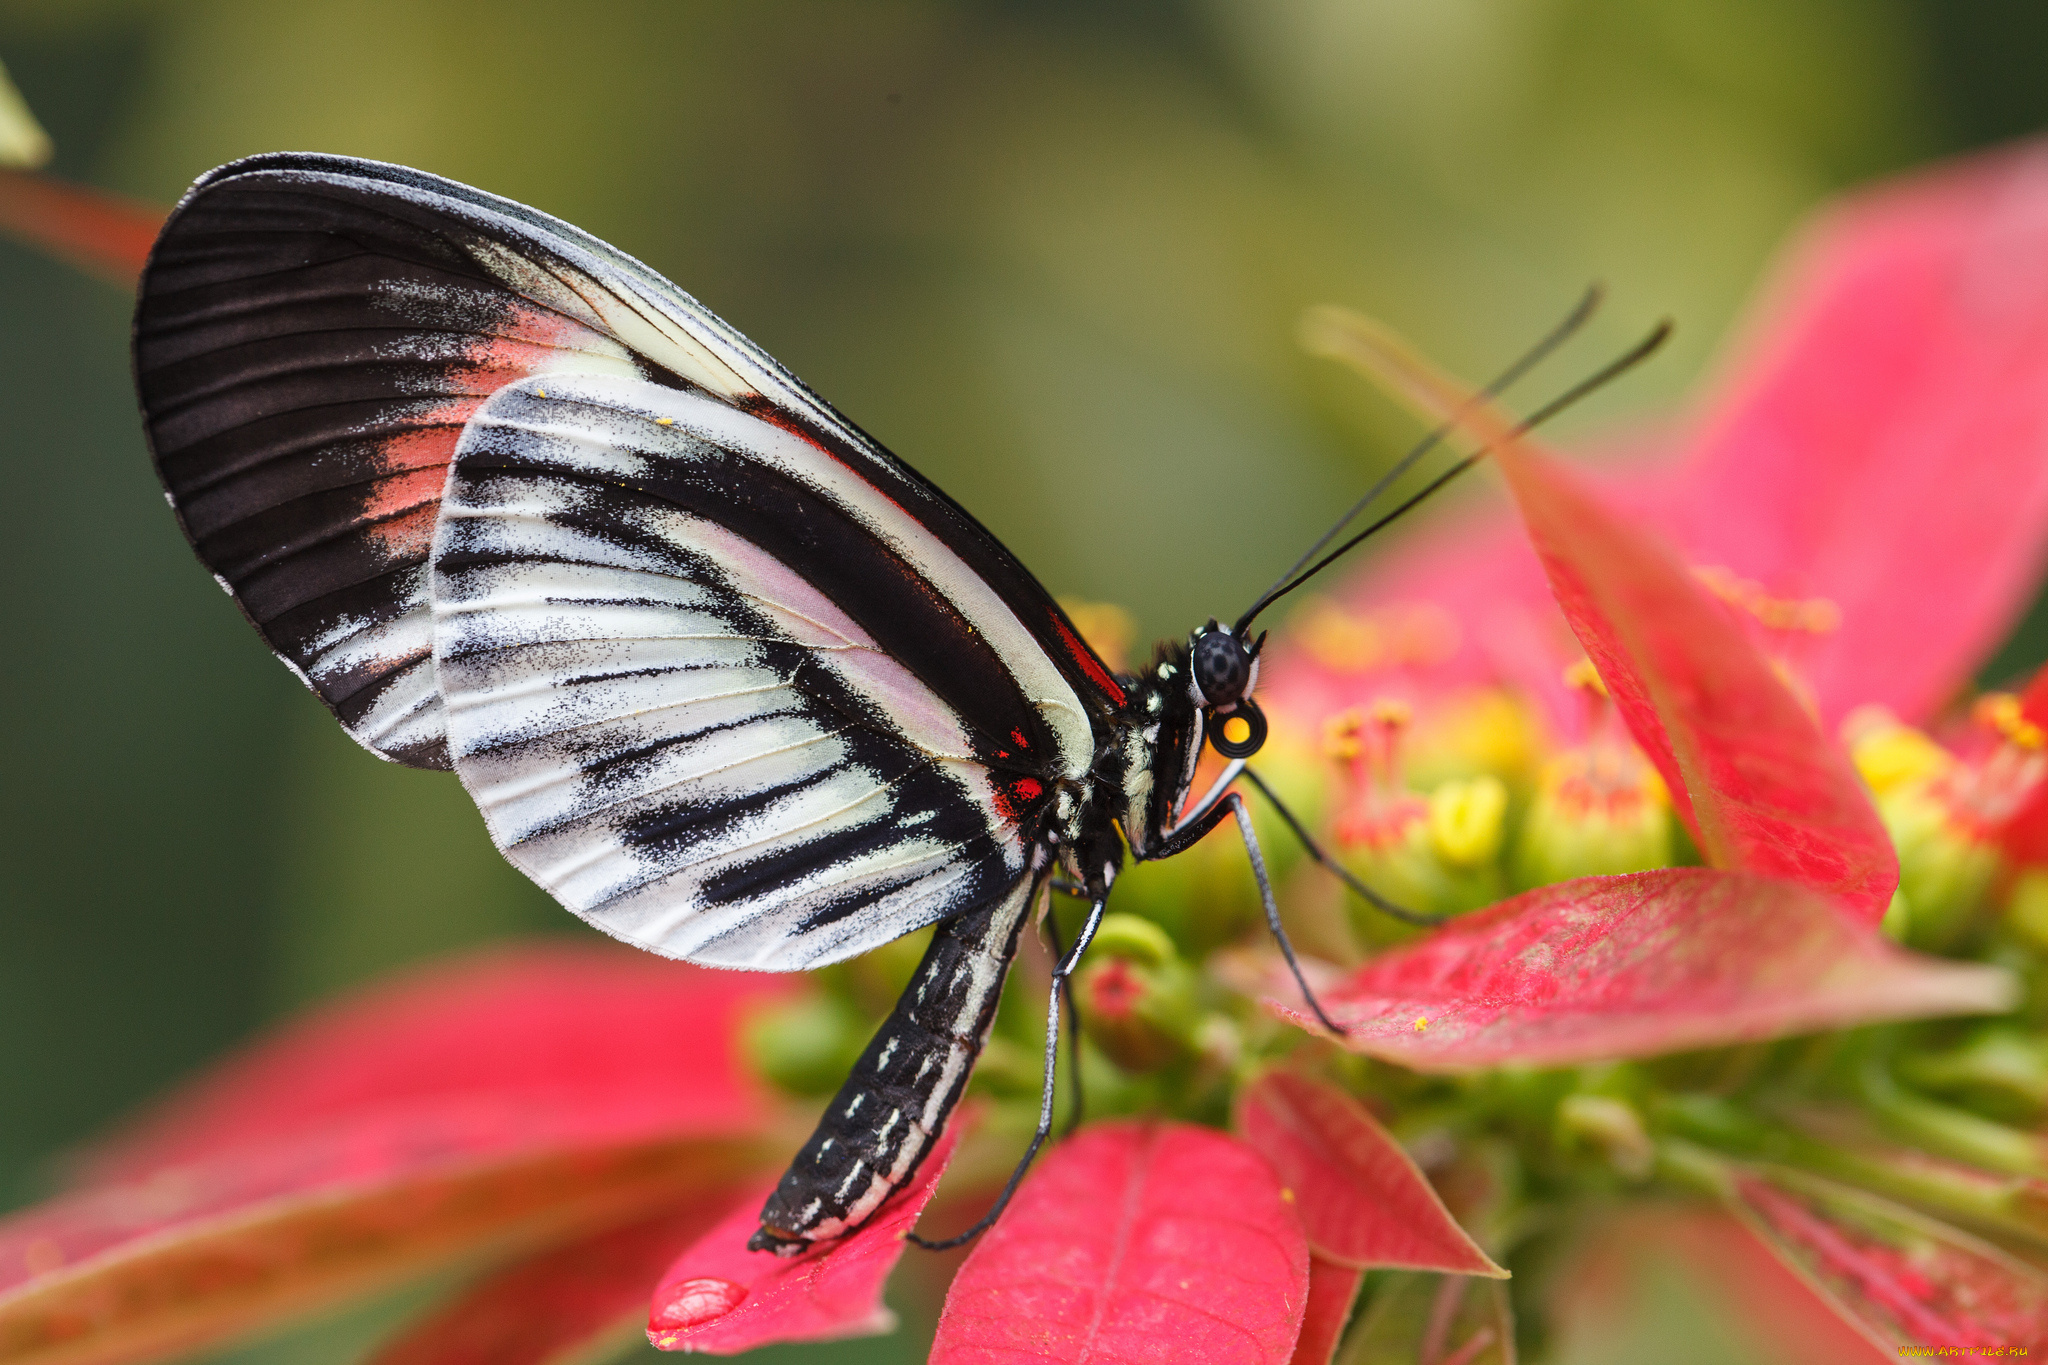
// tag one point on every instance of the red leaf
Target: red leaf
(1904, 1279)
(1756, 781)
(1748, 769)
(1332, 1292)
(99, 233)
(568, 1039)
(1653, 962)
(1880, 440)
(1362, 1201)
(533, 1092)
(561, 1305)
(721, 1298)
(1135, 1242)
(204, 1252)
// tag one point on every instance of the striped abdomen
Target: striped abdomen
(894, 1104)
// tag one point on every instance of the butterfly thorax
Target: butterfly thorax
(1150, 764)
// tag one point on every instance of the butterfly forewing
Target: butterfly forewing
(311, 337)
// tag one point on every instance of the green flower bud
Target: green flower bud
(1898, 918)
(1467, 819)
(1610, 1126)
(1430, 853)
(1944, 813)
(1598, 810)
(1386, 844)
(1136, 995)
(1133, 937)
(1946, 862)
(2027, 911)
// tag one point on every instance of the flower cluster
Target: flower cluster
(1748, 899)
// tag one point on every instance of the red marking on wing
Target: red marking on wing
(1084, 658)
(1013, 797)
(432, 443)
(407, 537)
(775, 415)
(402, 507)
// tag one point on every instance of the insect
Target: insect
(726, 678)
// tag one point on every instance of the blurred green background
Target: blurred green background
(1051, 253)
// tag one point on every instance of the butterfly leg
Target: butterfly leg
(1191, 830)
(1343, 874)
(1062, 969)
(1251, 848)
(1052, 934)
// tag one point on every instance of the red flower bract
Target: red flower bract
(514, 1098)
(1906, 1280)
(1609, 967)
(1136, 1242)
(1747, 768)
(561, 1304)
(722, 1298)
(1877, 447)
(1363, 1203)
(1880, 442)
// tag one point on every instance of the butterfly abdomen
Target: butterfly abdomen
(892, 1107)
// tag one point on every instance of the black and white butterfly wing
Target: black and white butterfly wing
(312, 334)
(724, 675)
(720, 695)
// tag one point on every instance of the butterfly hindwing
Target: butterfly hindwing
(700, 683)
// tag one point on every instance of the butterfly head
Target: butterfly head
(1222, 670)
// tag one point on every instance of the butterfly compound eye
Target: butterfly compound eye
(1221, 667)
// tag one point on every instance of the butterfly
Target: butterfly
(725, 677)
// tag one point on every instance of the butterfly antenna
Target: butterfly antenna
(1599, 379)
(1534, 356)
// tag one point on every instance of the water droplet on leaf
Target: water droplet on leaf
(692, 1303)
